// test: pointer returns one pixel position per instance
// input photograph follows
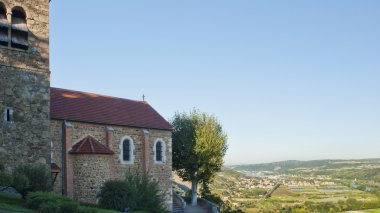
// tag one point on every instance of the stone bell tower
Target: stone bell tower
(24, 82)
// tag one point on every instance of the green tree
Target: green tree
(199, 145)
(26, 178)
(31, 178)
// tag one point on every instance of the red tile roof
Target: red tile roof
(90, 145)
(88, 107)
(54, 167)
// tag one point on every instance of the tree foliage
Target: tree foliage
(26, 178)
(6, 179)
(199, 145)
(31, 178)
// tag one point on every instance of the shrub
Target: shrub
(49, 207)
(31, 178)
(115, 195)
(68, 206)
(5, 178)
(84, 209)
(213, 198)
(135, 192)
(46, 202)
(151, 198)
(227, 207)
(35, 199)
(21, 184)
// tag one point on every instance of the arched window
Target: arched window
(19, 28)
(159, 151)
(3, 25)
(126, 150)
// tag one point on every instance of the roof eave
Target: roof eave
(103, 123)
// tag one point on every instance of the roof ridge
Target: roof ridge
(101, 95)
(89, 145)
(92, 145)
(82, 142)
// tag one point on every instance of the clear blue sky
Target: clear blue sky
(287, 79)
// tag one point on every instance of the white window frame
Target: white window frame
(163, 151)
(5, 114)
(52, 152)
(131, 150)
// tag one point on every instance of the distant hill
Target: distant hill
(322, 185)
(284, 166)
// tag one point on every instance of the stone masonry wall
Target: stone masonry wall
(26, 139)
(111, 163)
(25, 87)
(162, 172)
(56, 152)
(90, 172)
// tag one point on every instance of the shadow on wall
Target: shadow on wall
(35, 58)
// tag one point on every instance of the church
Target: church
(84, 138)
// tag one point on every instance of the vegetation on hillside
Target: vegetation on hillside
(316, 186)
(365, 170)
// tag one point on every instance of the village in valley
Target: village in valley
(290, 184)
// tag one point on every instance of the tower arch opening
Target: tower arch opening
(20, 32)
(3, 25)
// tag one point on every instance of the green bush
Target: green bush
(5, 178)
(227, 207)
(213, 198)
(135, 192)
(84, 209)
(49, 207)
(115, 195)
(31, 178)
(46, 202)
(35, 199)
(68, 207)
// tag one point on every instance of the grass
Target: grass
(373, 211)
(15, 204)
(11, 203)
(15, 208)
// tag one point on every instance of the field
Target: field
(316, 186)
(373, 211)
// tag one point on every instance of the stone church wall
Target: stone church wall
(162, 172)
(90, 172)
(93, 170)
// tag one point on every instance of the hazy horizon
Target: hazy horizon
(354, 159)
(286, 79)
